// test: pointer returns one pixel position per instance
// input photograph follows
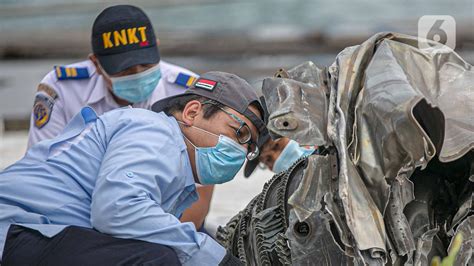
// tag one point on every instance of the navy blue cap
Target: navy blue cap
(122, 37)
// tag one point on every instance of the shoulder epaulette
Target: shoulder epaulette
(64, 73)
(185, 80)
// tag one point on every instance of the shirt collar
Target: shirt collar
(99, 91)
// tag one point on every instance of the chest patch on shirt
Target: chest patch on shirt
(42, 109)
(48, 90)
(184, 80)
(65, 73)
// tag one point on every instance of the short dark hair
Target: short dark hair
(177, 105)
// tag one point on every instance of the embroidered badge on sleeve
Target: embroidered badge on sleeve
(42, 109)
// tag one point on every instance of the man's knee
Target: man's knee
(22, 246)
(154, 254)
(25, 246)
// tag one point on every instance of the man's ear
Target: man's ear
(191, 112)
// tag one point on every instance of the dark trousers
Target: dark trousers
(81, 246)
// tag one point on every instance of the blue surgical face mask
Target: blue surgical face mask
(218, 164)
(136, 87)
(290, 154)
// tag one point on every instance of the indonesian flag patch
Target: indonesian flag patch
(206, 84)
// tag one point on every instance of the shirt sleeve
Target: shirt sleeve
(141, 158)
(56, 120)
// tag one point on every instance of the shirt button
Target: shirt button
(129, 174)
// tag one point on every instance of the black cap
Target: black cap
(229, 90)
(250, 166)
(122, 37)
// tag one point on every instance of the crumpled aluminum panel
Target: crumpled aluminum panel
(381, 112)
(298, 105)
(399, 74)
(317, 243)
(313, 203)
(446, 81)
(374, 124)
(361, 212)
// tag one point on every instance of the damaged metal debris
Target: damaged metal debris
(394, 181)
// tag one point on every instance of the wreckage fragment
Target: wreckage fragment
(395, 179)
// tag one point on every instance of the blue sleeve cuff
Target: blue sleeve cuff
(210, 253)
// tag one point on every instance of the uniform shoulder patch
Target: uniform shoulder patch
(184, 80)
(43, 87)
(42, 109)
(65, 73)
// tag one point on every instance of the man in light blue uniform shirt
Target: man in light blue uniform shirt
(110, 189)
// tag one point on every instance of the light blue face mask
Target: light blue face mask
(290, 154)
(136, 87)
(218, 164)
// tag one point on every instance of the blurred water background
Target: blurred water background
(250, 38)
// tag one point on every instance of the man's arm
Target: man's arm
(198, 211)
(142, 158)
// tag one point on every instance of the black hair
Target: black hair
(177, 105)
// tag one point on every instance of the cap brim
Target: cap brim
(250, 167)
(116, 63)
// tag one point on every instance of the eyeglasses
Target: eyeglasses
(243, 133)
